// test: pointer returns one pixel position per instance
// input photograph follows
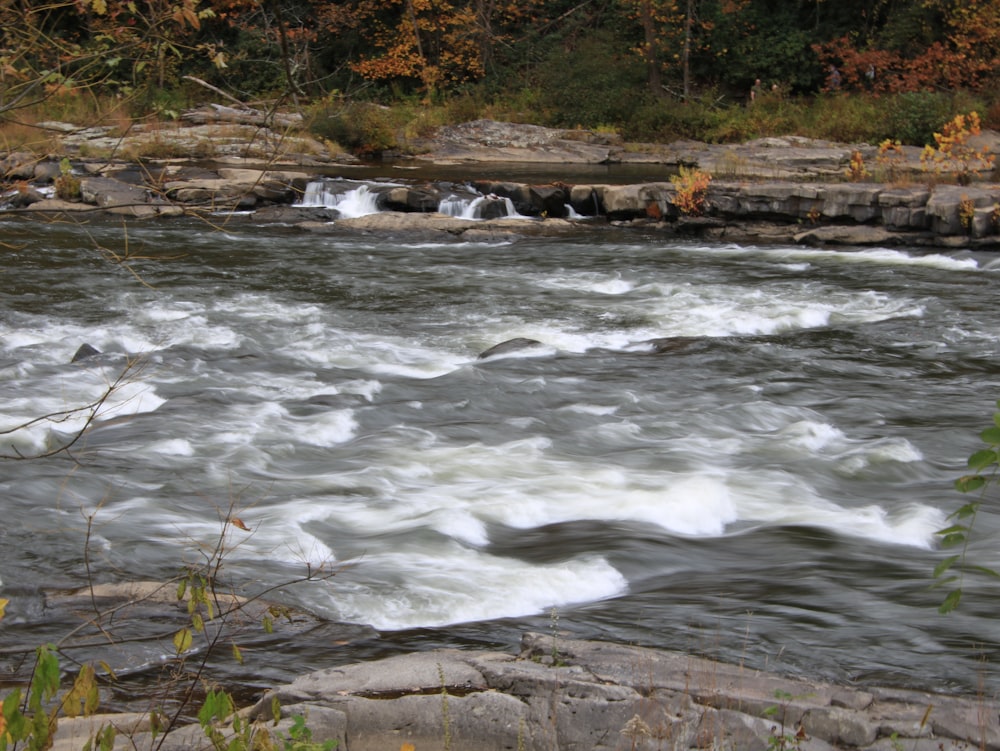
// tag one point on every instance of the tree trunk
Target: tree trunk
(686, 60)
(652, 64)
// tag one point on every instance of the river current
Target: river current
(766, 492)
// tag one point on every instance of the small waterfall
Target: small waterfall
(358, 201)
(481, 207)
(455, 206)
(317, 195)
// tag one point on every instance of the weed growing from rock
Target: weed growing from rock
(691, 186)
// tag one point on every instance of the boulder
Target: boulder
(422, 199)
(18, 165)
(85, 351)
(950, 208)
(517, 344)
(518, 193)
(904, 208)
(24, 196)
(117, 197)
(588, 200)
(549, 200)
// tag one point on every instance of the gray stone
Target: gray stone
(517, 344)
(562, 694)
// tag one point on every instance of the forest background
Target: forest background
(369, 74)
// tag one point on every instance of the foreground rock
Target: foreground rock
(575, 695)
(590, 695)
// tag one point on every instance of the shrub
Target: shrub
(953, 151)
(912, 118)
(691, 187)
(857, 171)
(361, 127)
(67, 184)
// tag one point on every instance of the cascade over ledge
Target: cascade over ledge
(787, 190)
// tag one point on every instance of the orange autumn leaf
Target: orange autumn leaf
(239, 524)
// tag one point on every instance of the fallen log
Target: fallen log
(214, 113)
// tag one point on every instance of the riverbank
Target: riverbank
(788, 190)
(567, 694)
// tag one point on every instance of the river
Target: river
(767, 492)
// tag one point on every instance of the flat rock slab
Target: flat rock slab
(577, 695)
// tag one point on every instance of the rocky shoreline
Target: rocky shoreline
(573, 695)
(787, 190)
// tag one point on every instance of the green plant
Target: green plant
(361, 127)
(985, 466)
(30, 721)
(782, 738)
(66, 183)
(691, 188)
(299, 738)
(913, 117)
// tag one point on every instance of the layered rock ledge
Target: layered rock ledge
(808, 212)
(570, 695)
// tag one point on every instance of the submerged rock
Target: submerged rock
(84, 351)
(517, 344)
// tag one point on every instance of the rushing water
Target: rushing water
(768, 492)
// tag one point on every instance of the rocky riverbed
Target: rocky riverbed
(790, 190)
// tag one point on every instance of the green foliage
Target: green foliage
(666, 120)
(848, 119)
(782, 738)
(784, 58)
(361, 127)
(588, 82)
(29, 722)
(913, 117)
(985, 466)
(300, 738)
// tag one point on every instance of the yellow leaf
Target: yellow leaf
(182, 640)
(237, 654)
(100, 6)
(407, 747)
(3, 604)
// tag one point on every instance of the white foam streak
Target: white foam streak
(456, 585)
(460, 492)
(876, 256)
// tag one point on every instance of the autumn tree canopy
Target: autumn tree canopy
(255, 48)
